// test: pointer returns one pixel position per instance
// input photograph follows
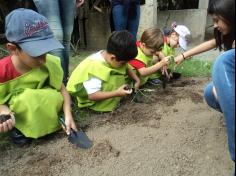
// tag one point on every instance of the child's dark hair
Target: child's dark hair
(224, 9)
(153, 38)
(17, 46)
(122, 45)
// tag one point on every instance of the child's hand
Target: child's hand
(123, 91)
(69, 124)
(164, 71)
(165, 61)
(7, 122)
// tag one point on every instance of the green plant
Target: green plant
(195, 68)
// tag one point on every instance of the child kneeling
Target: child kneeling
(31, 79)
(99, 81)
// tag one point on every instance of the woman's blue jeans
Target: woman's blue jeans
(124, 19)
(224, 82)
(60, 15)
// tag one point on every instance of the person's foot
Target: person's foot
(18, 138)
(155, 82)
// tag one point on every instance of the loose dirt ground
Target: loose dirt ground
(172, 133)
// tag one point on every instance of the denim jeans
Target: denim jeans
(224, 82)
(60, 15)
(125, 19)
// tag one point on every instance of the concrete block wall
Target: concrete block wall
(194, 19)
(97, 30)
(98, 26)
(148, 16)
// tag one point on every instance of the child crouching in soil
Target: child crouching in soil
(175, 37)
(99, 81)
(31, 80)
(150, 44)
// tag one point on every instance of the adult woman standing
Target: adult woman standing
(220, 93)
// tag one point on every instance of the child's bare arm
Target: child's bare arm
(100, 95)
(134, 77)
(69, 121)
(145, 71)
(160, 55)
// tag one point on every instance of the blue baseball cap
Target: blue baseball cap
(31, 32)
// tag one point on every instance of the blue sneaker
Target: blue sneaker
(155, 82)
(18, 138)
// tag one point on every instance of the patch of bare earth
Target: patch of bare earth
(171, 133)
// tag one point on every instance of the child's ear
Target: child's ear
(113, 57)
(11, 48)
(143, 44)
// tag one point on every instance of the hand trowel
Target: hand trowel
(78, 138)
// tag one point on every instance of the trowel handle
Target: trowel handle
(62, 121)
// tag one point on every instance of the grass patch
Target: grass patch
(75, 59)
(188, 68)
(195, 68)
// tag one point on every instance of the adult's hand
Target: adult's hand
(178, 60)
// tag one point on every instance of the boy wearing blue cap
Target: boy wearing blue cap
(31, 87)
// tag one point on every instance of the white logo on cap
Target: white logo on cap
(30, 29)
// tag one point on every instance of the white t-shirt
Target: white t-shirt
(94, 84)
